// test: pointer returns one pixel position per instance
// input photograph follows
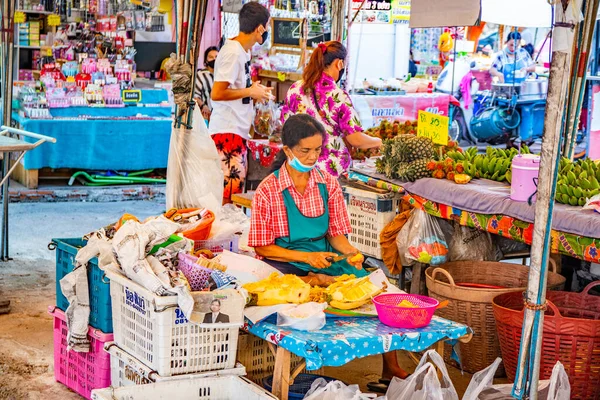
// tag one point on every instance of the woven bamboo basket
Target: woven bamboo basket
(571, 335)
(473, 306)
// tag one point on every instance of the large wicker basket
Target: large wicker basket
(473, 306)
(571, 335)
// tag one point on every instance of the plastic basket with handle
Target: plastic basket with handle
(154, 330)
(204, 388)
(218, 245)
(473, 306)
(80, 372)
(391, 314)
(126, 370)
(99, 289)
(571, 335)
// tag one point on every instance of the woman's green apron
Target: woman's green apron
(310, 235)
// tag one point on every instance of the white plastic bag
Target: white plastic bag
(194, 175)
(422, 240)
(230, 220)
(471, 244)
(481, 387)
(304, 317)
(424, 384)
(593, 204)
(335, 390)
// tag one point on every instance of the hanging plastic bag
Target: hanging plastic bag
(335, 390)
(422, 240)
(481, 387)
(194, 175)
(471, 244)
(424, 384)
(304, 317)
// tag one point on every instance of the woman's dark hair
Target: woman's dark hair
(516, 36)
(207, 51)
(296, 128)
(216, 301)
(252, 15)
(320, 60)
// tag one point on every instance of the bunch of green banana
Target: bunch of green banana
(577, 181)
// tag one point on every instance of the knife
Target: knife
(340, 257)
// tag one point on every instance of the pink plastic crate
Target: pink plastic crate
(80, 372)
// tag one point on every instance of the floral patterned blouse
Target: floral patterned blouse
(336, 113)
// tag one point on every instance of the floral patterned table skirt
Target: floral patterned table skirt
(584, 248)
(343, 339)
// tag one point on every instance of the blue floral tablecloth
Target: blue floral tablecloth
(343, 339)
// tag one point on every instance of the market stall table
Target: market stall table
(486, 205)
(343, 339)
(101, 138)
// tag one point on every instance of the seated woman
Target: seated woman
(299, 218)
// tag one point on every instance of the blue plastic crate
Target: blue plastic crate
(301, 385)
(99, 288)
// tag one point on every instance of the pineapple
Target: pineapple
(416, 148)
(348, 292)
(410, 172)
(278, 290)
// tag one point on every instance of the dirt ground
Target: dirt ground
(26, 334)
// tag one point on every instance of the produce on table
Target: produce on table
(349, 292)
(407, 304)
(405, 157)
(385, 130)
(278, 289)
(577, 181)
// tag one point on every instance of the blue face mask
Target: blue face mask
(298, 166)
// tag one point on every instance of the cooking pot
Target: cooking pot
(534, 89)
(505, 89)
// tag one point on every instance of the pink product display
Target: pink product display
(80, 372)
(112, 96)
(88, 66)
(25, 75)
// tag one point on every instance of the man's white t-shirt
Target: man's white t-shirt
(233, 116)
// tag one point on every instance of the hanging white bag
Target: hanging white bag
(194, 174)
(424, 384)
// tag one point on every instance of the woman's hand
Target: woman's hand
(319, 259)
(357, 261)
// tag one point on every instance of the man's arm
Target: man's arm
(222, 92)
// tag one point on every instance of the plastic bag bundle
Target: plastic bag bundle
(422, 240)
(194, 175)
(471, 244)
(181, 75)
(424, 384)
(481, 386)
(336, 390)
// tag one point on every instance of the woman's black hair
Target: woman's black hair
(252, 15)
(211, 48)
(516, 36)
(216, 301)
(296, 128)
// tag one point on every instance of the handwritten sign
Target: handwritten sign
(19, 17)
(433, 126)
(53, 20)
(131, 96)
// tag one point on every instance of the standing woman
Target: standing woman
(319, 96)
(205, 79)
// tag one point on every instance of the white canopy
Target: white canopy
(520, 13)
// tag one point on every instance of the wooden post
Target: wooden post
(281, 374)
(528, 372)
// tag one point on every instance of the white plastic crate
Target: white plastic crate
(154, 330)
(211, 388)
(370, 212)
(126, 370)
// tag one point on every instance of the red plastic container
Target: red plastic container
(202, 231)
(80, 372)
(400, 317)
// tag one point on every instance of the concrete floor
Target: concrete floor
(26, 344)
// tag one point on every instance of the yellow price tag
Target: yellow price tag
(19, 17)
(433, 126)
(53, 20)
(281, 76)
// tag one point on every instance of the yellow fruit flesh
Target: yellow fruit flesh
(279, 290)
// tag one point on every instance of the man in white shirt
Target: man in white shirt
(232, 96)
